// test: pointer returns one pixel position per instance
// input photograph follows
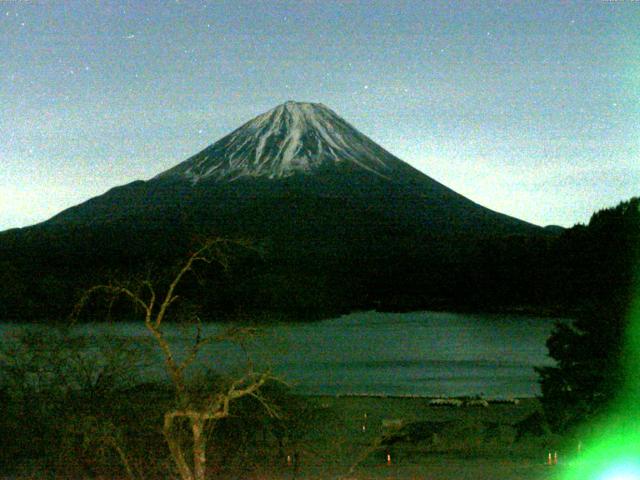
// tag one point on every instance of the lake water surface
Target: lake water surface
(420, 353)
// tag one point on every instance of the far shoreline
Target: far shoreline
(490, 400)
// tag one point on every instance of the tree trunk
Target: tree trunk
(175, 448)
(199, 448)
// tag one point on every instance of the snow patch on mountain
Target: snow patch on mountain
(292, 138)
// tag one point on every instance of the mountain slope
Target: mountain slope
(329, 206)
(296, 151)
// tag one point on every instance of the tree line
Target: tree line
(44, 272)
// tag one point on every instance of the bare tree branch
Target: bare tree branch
(155, 308)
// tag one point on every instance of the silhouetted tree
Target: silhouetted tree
(589, 352)
(588, 372)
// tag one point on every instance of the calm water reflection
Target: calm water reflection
(420, 353)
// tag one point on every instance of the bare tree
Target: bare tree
(194, 409)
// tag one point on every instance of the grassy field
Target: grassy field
(348, 437)
(406, 438)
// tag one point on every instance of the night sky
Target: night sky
(528, 108)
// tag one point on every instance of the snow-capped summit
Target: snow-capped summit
(294, 137)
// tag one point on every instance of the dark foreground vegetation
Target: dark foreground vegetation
(319, 271)
(68, 413)
(597, 355)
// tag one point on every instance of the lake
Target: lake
(419, 353)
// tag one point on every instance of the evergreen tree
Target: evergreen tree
(588, 373)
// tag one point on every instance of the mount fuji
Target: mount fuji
(330, 206)
(294, 154)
